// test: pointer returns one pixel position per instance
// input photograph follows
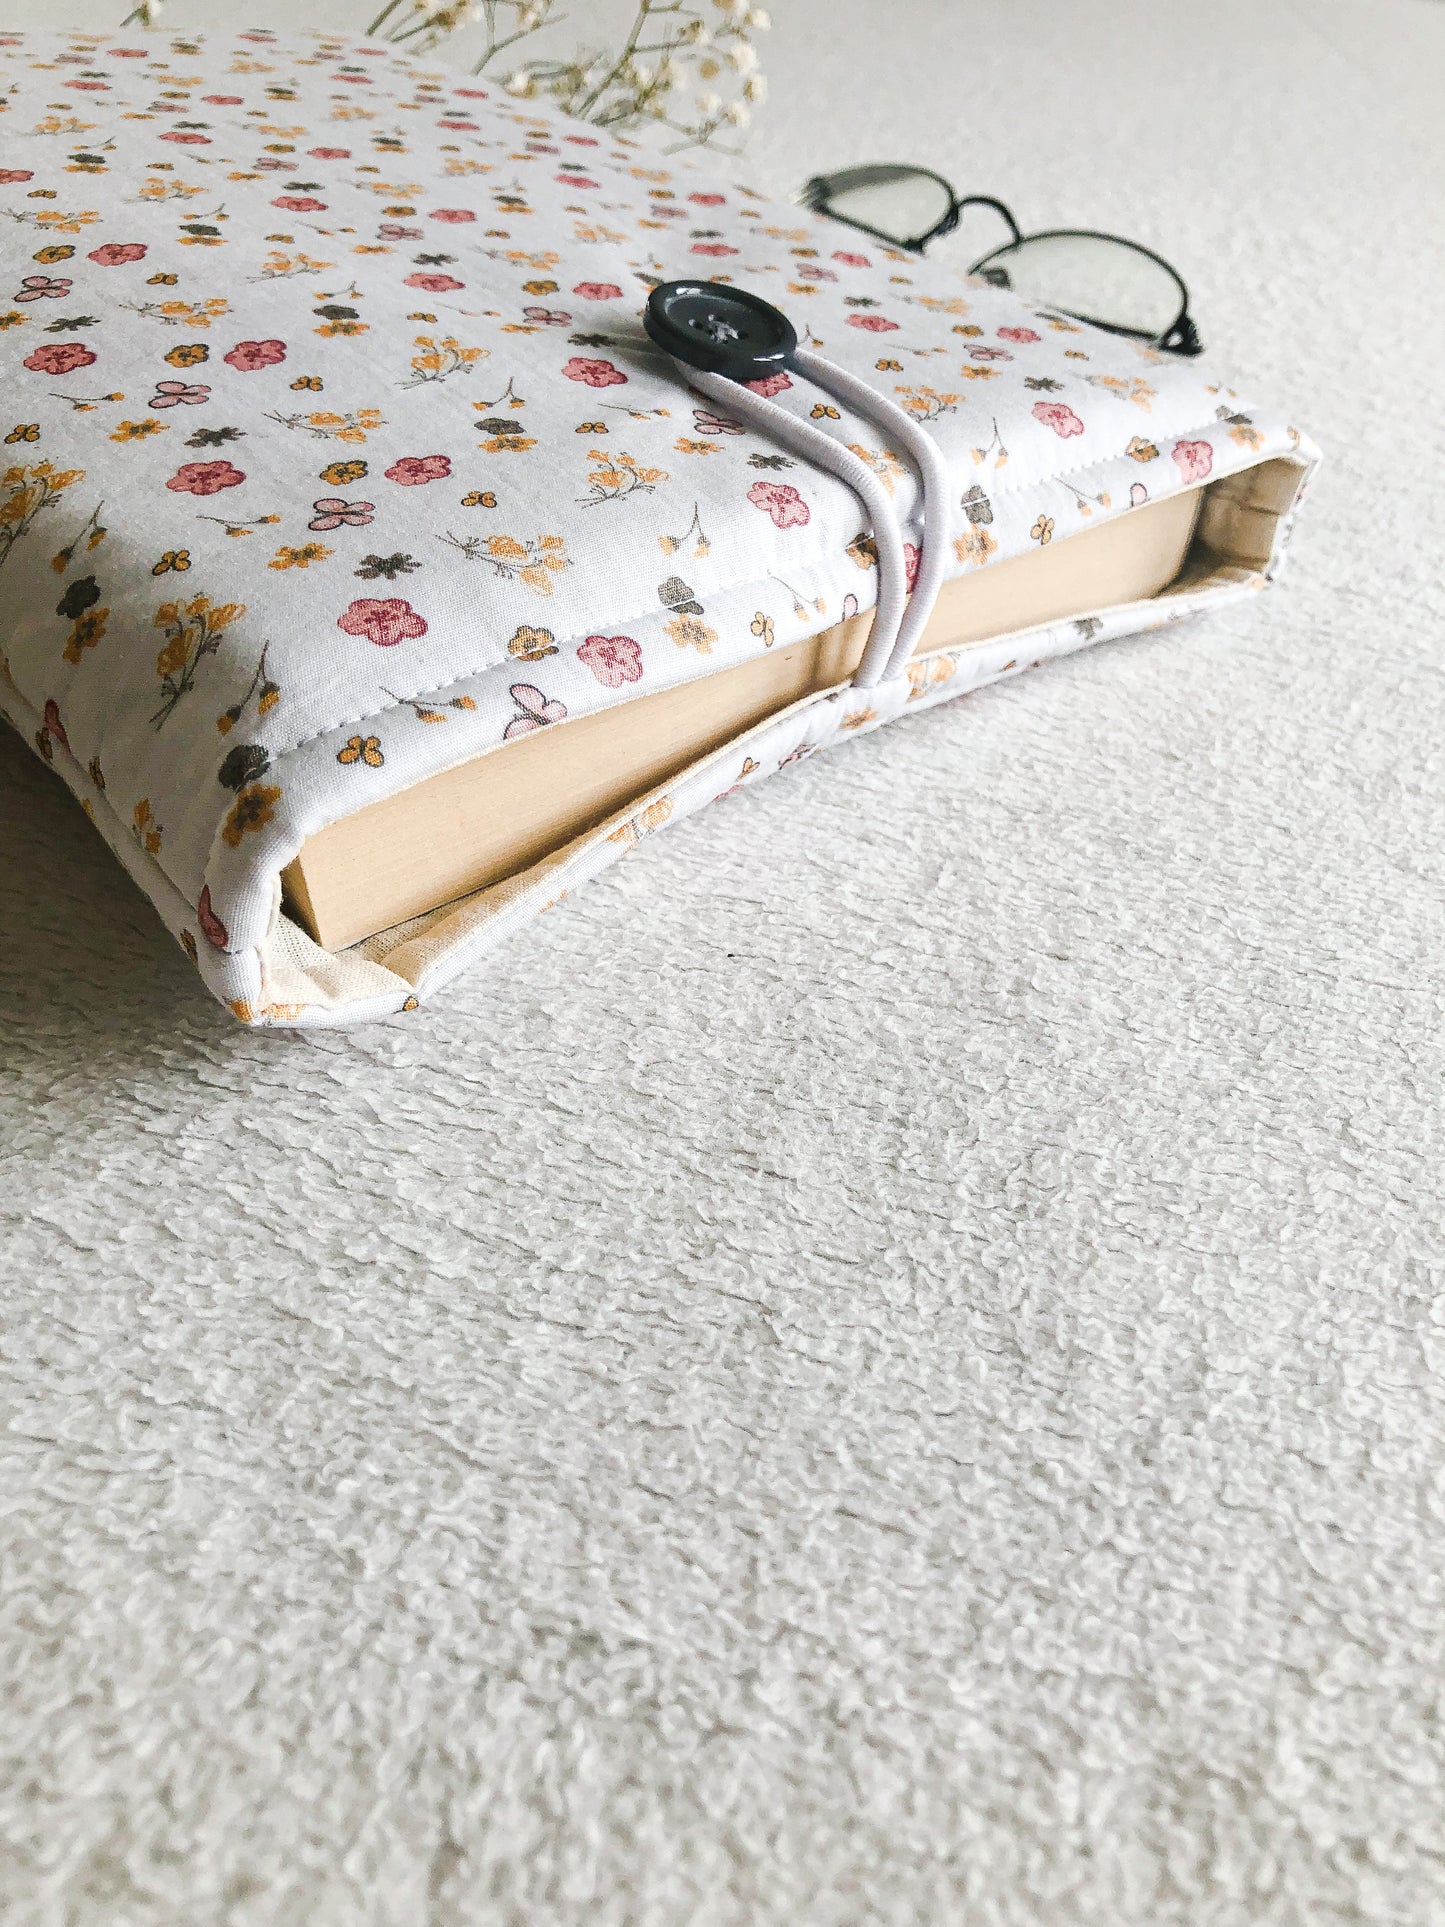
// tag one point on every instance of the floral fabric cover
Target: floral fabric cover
(339, 456)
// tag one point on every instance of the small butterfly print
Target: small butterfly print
(362, 749)
(534, 711)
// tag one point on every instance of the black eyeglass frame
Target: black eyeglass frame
(1181, 337)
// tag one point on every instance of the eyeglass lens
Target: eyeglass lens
(1098, 277)
(898, 202)
(1091, 275)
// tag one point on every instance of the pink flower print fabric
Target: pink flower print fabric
(782, 502)
(248, 356)
(1195, 459)
(384, 622)
(596, 374)
(1058, 416)
(63, 358)
(412, 470)
(331, 401)
(115, 254)
(205, 478)
(613, 660)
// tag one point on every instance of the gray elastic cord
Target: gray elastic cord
(935, 500)
(821, 450)
(898, 621)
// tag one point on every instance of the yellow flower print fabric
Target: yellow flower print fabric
(337, 454)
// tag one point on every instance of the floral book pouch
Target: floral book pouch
(336, 455)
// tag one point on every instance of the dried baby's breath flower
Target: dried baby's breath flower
(667, 50)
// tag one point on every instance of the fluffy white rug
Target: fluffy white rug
(871, 1374)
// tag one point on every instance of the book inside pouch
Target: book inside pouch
(499, 813)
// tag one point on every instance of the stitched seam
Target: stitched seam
(1202, 591)
(754, 586)
(86, 792)
(141, 857)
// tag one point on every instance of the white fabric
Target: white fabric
(892, 600)
(837, 1379)
(288, 564)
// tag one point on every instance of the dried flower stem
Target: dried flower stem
(377, 24)
(668, 47)
(529, 19)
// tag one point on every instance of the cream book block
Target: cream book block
(489, 818)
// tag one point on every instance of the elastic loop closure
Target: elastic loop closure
(823, 452)
(935, 500)
(899, 619)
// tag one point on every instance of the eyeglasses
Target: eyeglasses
(1101, 278)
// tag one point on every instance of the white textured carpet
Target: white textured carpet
(861, 1374)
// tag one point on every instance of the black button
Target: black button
(720, 329)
